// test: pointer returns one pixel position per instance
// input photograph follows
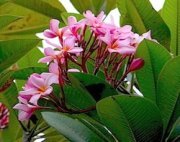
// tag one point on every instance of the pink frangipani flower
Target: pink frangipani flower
(69, 46)
(25, 109)
(50, 55)
(54, 30)
(37, 86)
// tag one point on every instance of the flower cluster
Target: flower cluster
(108, 47)
(4, 116)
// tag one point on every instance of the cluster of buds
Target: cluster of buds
(4, 116)
(107, 46)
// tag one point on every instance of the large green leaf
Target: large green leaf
(168, 91)
(13, 132)
(175, 132)
(23, 74)
(50, 8)
(141, 15)
(154, 56)
(96, 126)
(71, 128)
(31, 59)
(84, 100)
(94, 5)
(97, 87)
(12, 50)
(171, 15)
(6, 19)
(34, 16)
(131, 118)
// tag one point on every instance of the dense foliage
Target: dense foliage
(82, 79)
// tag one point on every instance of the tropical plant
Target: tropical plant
(83, 79)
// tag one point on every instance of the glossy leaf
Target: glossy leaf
(175, 132)
(155, 56)
(23, 74)
(6, 19)
(142, 17)
(168, 92)
(31, 59)
(94, 5)
(170, 13)
(97, 87)
(54, 7)
(12, 50)
(96, 126)
(71, 128)
(131, 118)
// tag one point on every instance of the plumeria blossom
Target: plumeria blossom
(25, 109)
(37, 86)
(50, 55)
(54, 30)
(69, 46)
(75, 27)
(92, 20)
(117, 45)
(4, 116)
(90, 39)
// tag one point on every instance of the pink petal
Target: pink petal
(75, 50)
(45, 59)
(53, 68)
(24, 116)
(37, 81)
(34, 99)
(21, 107)
(49, 34)
(30, 91)
(48, 91)
(48, 51)
(54, 25)
(71, 20)
(69, 42)
(101, 16)
(126, 50)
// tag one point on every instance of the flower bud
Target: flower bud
(136, 64)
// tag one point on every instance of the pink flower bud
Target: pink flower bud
(136, 64)
(4, 116)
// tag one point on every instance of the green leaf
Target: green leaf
(171, 15)
(13, 131)
(51, 135)
(31, 59)
(94, 5)
(175, 132)
(97, 87)
(131, 118)
(5, 79)
(84, 100)
(12, 50)
(6, 19)
(154, 56)
(35, 17)
(24, 73)
(168, 91)
(96, 126)
(50, 8)
(142, 17)
(71, 128)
